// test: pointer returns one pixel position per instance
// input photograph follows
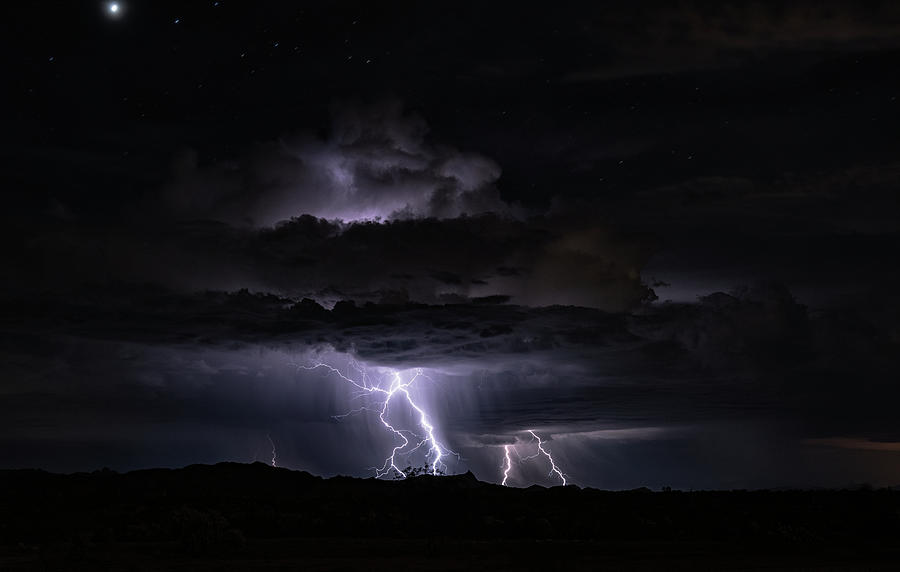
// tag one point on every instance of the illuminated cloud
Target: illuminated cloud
(377, 163)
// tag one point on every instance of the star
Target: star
(113, 8)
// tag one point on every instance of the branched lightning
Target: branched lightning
(409, 441)
(553, 467)
(507, 465)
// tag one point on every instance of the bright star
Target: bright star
(114, 9)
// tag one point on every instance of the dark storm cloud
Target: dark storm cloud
(749, 346)
(753, 364)
(826, 233)
(296, 219)
(424, 260)
(854, 198)
(673, 38)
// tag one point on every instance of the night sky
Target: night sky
(662, 236)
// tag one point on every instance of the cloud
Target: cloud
(539, 261)
(663, 380)
(376, 163)
(861, 444)
(591, 267)
(372, 212)
(694, 36)
(757, 326)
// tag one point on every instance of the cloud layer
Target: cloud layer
(748, 386)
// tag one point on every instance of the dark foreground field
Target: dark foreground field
(254, 517)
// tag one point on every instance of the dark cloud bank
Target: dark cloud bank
(756, 367)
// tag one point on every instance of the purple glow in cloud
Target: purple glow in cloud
(377, 164)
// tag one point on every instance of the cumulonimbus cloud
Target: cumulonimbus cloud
(377, 163)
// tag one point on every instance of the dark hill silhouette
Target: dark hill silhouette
(239, 516)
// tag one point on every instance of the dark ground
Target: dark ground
(240, 517)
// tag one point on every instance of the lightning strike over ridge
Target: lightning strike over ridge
(507, 464)
(274, 456)
(507, 461)
(410, 441)
(553, 467)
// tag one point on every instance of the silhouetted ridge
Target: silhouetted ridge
(208, 508)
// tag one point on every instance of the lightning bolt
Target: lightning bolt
(274, 456)
(409, 441)
(553, 467)
(507, 463)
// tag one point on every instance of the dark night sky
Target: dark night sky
(661, 235)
